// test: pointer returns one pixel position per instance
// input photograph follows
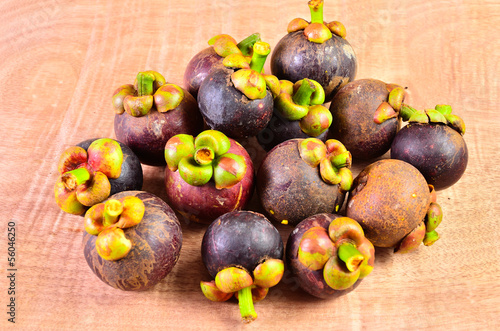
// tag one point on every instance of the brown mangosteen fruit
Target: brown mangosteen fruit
(92, 170)
(315, 50)
(132, 241)
(394, 205)
(433, 143)
(365, 117)
(207, 176)
(329, 255)
(210, 59)
(303, 177)
(236, 99)
(152, 111)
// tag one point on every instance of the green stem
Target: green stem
(246, 304)
(260, 52)
(303, 95)
(112, 210)
(145, 83)
(75, 177)
(204, 155)
(348, 253)
(246, 45)
(316, 8)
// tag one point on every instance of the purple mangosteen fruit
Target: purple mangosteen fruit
(210, 59)
(329, 255)
(315, 50)
(207, 176)
(243, 253)
(132, 240)
(93, 170)
(433, 143)
(298, 113)
(238, 99)
(365, 117)
(152, 111)
(394, 205)
(303, 177)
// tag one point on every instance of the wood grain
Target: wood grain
(61, 61)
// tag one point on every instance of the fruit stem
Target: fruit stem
(246, 304)
(348, 253)
(303, 95)
(204, 155)
(246, 45)
(71, 179)
(145, 83)
(260, 52)
(112, 210)
(316, 8)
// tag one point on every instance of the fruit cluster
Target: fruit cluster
(133, 238)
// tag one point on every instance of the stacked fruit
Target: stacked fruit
(133, 238)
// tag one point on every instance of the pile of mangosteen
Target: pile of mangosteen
(302, 183)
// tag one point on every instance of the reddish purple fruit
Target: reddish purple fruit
(152, 111)
(210, 59)
(329, 255)
(207, 176)
(132, 241)
(243, 252)
(236, 99)
(365, 117)
(315, 50)
(434, 145)
(303, 177)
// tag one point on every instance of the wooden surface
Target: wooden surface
(61, 61)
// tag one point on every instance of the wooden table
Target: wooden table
(61, 61)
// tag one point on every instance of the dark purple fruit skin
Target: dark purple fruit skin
(203, 204)
(311, 281)
(226, 109)
(280, 129)
(199, 67)
(436, 150)
(332, 64)
(353, 108)
(290, 189)
(131, 176)
(147, 135)
(157, 241)
(240, 238)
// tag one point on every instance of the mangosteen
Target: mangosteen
(365, 117)
(394, 205)
(329, 255)
(150, 112)
(315, 50)
(93, 170)
(298, 113)
(132, 240)
(303, 177)
(210, 59)
(207, 176)
(235, 99)
(243, 253)
(433, 143)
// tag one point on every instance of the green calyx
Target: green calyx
(150, 90)
(317, 30)
(249, 80)
(303, 101)
(440, 114)
(333, 158)
(238, 281)
(342, 252)
(206, 157)
(108, 219)
(392, 106)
